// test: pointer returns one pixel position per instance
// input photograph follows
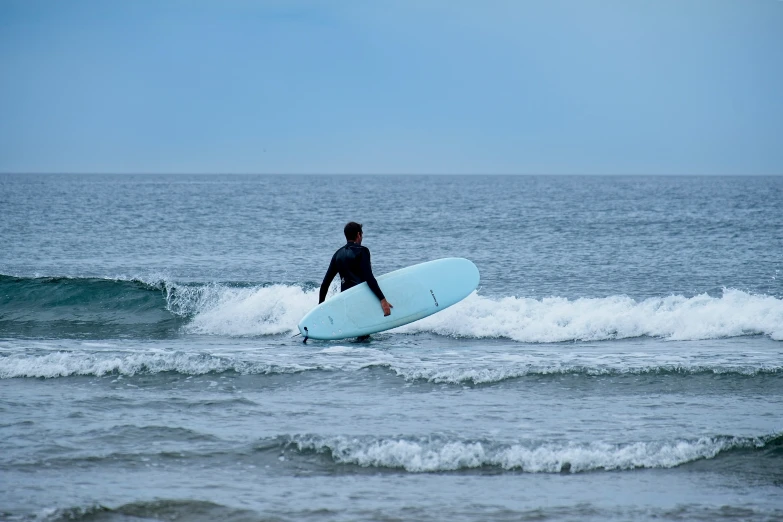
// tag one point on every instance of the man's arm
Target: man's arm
(367, 275)
(330, 273)
(372, 283)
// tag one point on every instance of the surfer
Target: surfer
(352, 262)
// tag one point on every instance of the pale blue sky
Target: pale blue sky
(538, 87)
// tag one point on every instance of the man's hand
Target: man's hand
(386, 308)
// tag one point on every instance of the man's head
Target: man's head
(353, 232)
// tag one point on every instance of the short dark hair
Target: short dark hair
(352, 230)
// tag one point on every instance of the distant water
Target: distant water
(622, 358)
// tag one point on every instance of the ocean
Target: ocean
(622, 358)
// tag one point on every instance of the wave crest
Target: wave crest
(555, 319)
(221, 310)
(67, 364)
(435, 454)
(445, 371)
(277, 309)
(44, 306)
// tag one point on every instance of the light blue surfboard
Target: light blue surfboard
(415, 292)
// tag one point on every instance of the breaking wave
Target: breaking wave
(428, 454)
(66, 364)
(410, 368)
(434, 454)
(735, 313)
(63, 306)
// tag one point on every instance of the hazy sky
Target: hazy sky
(605, 87)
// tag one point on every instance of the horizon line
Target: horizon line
(591, 174)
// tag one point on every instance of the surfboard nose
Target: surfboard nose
(475, 276)
(467, 273)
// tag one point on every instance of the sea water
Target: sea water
(622, 358)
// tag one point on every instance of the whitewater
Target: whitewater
(269, 309)
(621, 359)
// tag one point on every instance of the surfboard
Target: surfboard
(415, 292)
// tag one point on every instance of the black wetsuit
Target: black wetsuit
(352, 262)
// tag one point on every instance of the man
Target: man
(353, 264)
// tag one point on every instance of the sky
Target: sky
(365, 87)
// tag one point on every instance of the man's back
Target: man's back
(352, 262)
(348, 263)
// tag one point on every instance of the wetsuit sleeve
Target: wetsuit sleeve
(367, 275)
(330, 273)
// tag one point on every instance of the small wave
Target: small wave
(133, 434)
(84, 307)
(276, 309)
(98, 364)
(202, 510)
(66, 298)
(66, 306)
(735, 313)
(435, 454)
(443, 453)
(496, 375)
(244, 309)
(67, 364)
(265, 310)
(165, 509)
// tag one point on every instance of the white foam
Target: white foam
(221, 310)
(338, 350)
(477, 368)
(555, 319)
(432, 455)
(267, 310)
(64, 364)
(488, 375)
